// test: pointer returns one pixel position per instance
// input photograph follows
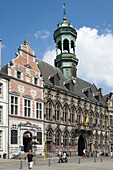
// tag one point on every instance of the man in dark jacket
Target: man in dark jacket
(30, 158)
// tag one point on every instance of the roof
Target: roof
(47, 70)
(108, 96)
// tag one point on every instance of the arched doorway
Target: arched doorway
(81, 145)
(27, 141)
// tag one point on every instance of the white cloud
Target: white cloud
(42, 34)
(95, 54)
(49, 56)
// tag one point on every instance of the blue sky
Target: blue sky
(36, 21)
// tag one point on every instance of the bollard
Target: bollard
(101, 159)
(94, 160)
(78, 160)
(49, 162)
(21, 164)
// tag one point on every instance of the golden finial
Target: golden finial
(64, 12)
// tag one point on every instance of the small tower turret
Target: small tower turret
(65, 37)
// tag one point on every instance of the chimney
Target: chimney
(0, 54)
(101, 91)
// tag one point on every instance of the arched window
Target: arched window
(49, 135)
(72, 142)
(57, 112)
(65, 138)
(14, 134)
(72, 115)
(72, 47)
(48, 110)
(59, 47)
(78, 117)
(65, 113)
(66, 46)
(58, 138)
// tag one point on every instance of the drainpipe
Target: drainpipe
(0, 54)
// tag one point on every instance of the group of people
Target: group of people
(96, 153)
(62, 157)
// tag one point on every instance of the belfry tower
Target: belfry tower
(65, 37)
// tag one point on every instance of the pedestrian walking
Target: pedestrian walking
(84, 153)
(29, 159)
(111, 154)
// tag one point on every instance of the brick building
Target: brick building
(25, 102)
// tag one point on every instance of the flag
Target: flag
(63, 5)
(86, 121)
(96, 122)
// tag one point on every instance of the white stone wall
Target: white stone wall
(15, 149)
(4, 122)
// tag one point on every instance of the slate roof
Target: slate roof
(47, 70)
(108, 96)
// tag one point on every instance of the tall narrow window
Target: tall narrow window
(14, 134)
(39, 138)
(38, 110)
(65, 113)
(1, 113)
(58, 138)
(0, 139)
(27, 107)
(57, 112)
(72, 117)
(35, 80)
(72, 139)
(14, 105)
(65, 139)
(18, 74)
(48, 111)
(1, 90)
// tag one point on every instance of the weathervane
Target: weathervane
(64, 12)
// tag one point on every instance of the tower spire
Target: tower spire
(64, 18)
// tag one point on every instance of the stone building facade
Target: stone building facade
(75, 112)
(109, 100)
(52, 104)
(4, 80)
(25, 102)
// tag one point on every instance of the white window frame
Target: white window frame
(1, 133)
(27, 107)
(35, 77)
(14, 127)
(38, 109)
(14, 105)
(21, 73)
(1, 87)
(1, 116)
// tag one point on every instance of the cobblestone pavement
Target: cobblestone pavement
(52, 164)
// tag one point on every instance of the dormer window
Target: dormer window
(87, 91)
(97, 96)
(69, 85)
(36, 80)
(54, 79)
(18, 74)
